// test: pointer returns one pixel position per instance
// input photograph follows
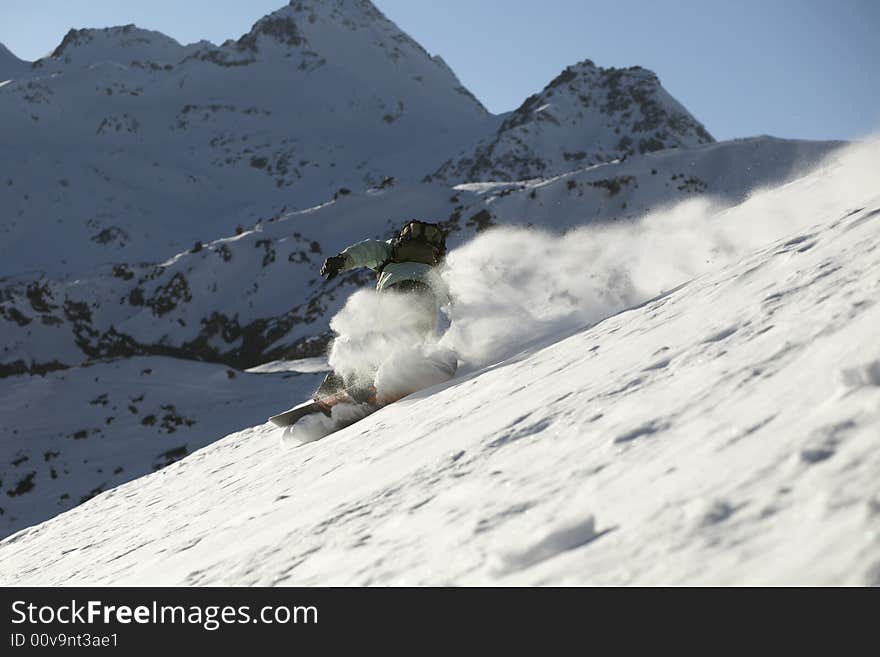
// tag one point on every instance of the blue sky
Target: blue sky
(790, 68)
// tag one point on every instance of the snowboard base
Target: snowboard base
(314, 426)
(397, 380)
(292, 415)
(323, 405)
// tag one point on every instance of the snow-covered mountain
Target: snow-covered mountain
(586, 115)
(128, 146)
(703, 408)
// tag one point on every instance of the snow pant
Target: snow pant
(422, 321)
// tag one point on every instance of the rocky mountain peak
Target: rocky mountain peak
(295, 20)
(318, 25)
(279, 26)
(586, 115)
(340, 10)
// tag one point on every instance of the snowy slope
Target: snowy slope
(586, 115)
(129, 146)
(723, 432)
(69, 435)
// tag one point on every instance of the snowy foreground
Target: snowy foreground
(725, 432)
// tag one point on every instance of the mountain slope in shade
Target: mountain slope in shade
(127, 145)
(10, 65)
(721, 432)
(244, 299)
(586, 115)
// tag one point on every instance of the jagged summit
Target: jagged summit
(586, 115)
(349, 34)
(354, 13)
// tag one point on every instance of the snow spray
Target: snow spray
(518, 287)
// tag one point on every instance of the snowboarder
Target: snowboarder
(407, 265)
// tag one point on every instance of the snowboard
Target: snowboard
(316, 418)
(397, 377)
(324, 405)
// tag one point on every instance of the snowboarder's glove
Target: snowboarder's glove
(332, 266)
